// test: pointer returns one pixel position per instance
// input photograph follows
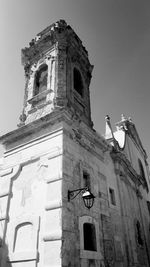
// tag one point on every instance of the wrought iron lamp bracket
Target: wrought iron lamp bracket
(73, 193)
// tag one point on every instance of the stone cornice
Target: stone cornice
(83, 140)
(30, 128)
(125, 163)
(57, 32)
(81, 131)
(89, 136)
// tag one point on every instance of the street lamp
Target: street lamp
(87, 196)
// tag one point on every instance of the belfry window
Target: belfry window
(40, 82)
(89, 237)
(77, 82)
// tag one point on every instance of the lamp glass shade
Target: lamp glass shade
(88, 199)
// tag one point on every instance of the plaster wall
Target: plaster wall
(31, 203)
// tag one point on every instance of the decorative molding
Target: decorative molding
(51, 205)
(39, 96)
(53, 179)
(4, 216)
(35, 141)
(23, 256)
(52, 236)
(5, 193)
(82, 140)
(125, 163)
(22, 119)
(6, 172)
(86, 142)
(11, 170)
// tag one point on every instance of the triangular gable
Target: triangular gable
(129, 128)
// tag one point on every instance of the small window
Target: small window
(86, 180)
(89, 241)
(148, 206)
(89, 237)
(77, 81)
(139, 234)
(112, 196)
(40, 82)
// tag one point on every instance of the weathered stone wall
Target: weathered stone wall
(133, 207)
(79, 158)
(133, 155)
(117, 241)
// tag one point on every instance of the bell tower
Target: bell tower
(57, 73)
(53, 152)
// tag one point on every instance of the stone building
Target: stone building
(54, 151)
(129, 212)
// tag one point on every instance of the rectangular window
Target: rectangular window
(148, 206)
(86, 180)
(89, 236)
(112, 196)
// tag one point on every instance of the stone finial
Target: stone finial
(108, 129)
(109, 133)
(37, 38)
(123, 118)
(130, 119)
(107, 118)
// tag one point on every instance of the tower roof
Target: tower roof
(50, 35)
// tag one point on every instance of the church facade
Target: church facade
(55, 159)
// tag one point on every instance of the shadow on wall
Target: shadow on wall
(4, 255)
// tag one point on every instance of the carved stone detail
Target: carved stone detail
(60, 49)
(82, 140)
(22, 119)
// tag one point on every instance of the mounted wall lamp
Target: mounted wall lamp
(87, 196)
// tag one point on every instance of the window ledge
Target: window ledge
(77, 95)
(39, 97)
(23, 255)
(39, 106)
(86, 254)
